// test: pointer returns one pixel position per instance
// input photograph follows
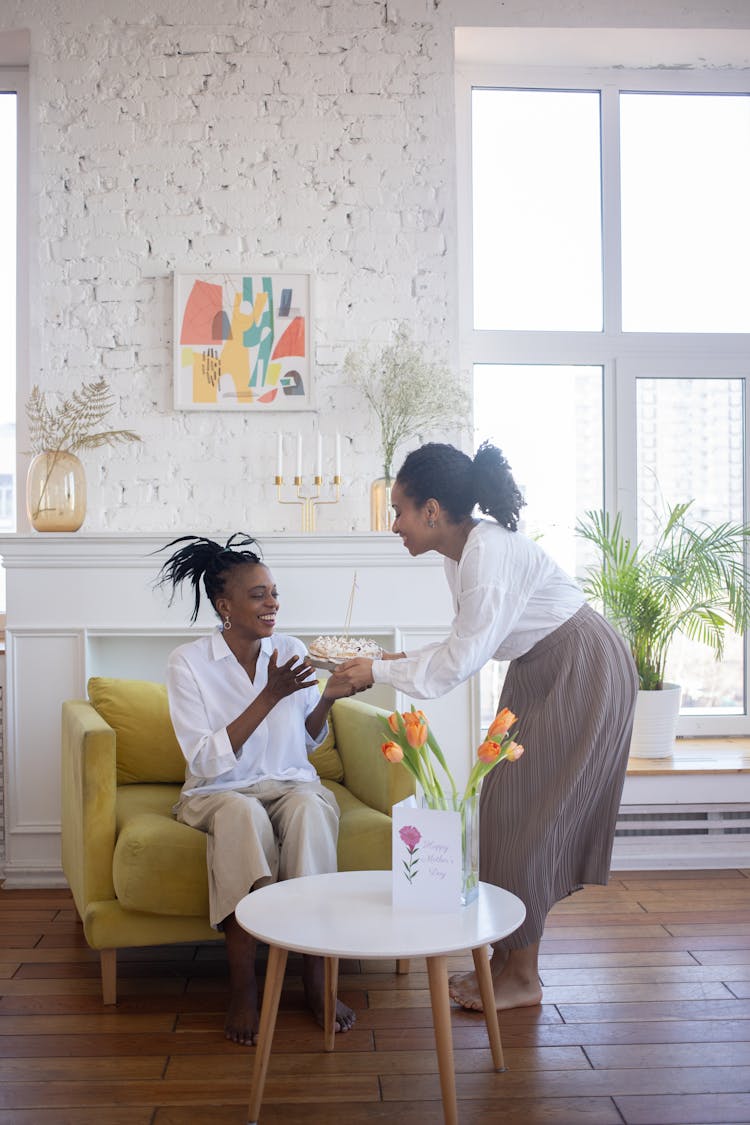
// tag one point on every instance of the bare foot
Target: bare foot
(313, 979)
(463, 987)
(241, 1024)
(515, 982)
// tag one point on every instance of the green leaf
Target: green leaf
(691, 581)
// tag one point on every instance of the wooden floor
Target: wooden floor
(645, 1021)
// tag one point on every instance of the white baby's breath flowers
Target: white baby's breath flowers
(406, 391)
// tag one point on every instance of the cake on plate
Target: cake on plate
(337, 649)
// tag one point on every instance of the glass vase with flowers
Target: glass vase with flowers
(414, 745)
(409, 393)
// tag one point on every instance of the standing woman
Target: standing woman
(547, 825)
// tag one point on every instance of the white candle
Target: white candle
(319, 459)
(279, 455)
(338, 454)
(299, 454)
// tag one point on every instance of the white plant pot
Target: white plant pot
(655, 725)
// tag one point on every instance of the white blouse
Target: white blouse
(507, 594)
(208, 688)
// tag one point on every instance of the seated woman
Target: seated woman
(246, 714)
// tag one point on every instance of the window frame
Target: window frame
(622, 356)
(15, 80)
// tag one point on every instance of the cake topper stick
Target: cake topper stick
(349, 608)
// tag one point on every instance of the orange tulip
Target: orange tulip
(417, 729)
(393, 722)
(501, 724)
(392, 751)
(514, 751)
(488, 752)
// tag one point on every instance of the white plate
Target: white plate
(325, 665)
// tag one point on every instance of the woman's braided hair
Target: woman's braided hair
(458, 483)
(203, 558)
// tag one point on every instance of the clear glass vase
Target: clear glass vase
(381, 516)
(468, 807)
(56, 492)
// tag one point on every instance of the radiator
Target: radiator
(691, 836)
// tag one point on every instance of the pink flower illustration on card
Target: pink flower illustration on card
(411, 837)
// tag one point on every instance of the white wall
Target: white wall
(315, 134)
(185, 136)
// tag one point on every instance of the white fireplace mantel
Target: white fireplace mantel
(81, 605)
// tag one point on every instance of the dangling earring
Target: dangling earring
(430, 523)
(227, 624)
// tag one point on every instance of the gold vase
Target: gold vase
(381, 516)
(56, 491)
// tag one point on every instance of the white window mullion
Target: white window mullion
(625, 496)
(611, 240)
(465, 221)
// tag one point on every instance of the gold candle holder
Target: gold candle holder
(311, 502)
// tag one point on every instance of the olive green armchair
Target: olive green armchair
(138, 876)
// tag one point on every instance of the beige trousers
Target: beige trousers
(268, 831)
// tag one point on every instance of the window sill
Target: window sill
(698, 755)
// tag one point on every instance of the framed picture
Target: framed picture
(242, 341)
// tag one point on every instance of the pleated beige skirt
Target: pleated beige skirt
(547, 821)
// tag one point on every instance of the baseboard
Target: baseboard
(27, 878)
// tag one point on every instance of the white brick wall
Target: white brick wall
(166, 137)
(289, 134)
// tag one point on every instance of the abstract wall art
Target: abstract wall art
(242, 341)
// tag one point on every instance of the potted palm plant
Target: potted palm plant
(692, 581)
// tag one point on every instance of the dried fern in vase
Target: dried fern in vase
(73, 424)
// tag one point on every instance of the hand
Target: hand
(337, 687)
(357, 673)
(285, 679)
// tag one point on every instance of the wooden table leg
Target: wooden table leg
(437, 972)
(331, 985)
(271, 996)
(487, 993)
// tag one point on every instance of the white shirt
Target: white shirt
(208, 688)
(507, 594)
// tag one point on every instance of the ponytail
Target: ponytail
(440, 471)
(496, 491)
(203, 558)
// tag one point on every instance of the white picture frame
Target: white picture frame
(242, 341)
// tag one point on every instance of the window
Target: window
(604, 293)
(13, 111)
(8, 274)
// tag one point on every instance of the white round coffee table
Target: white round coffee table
(350, 914)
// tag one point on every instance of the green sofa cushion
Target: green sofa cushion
(364, 834)
(147, 747)
(326, 758)
(159, 866)
(138, 712)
